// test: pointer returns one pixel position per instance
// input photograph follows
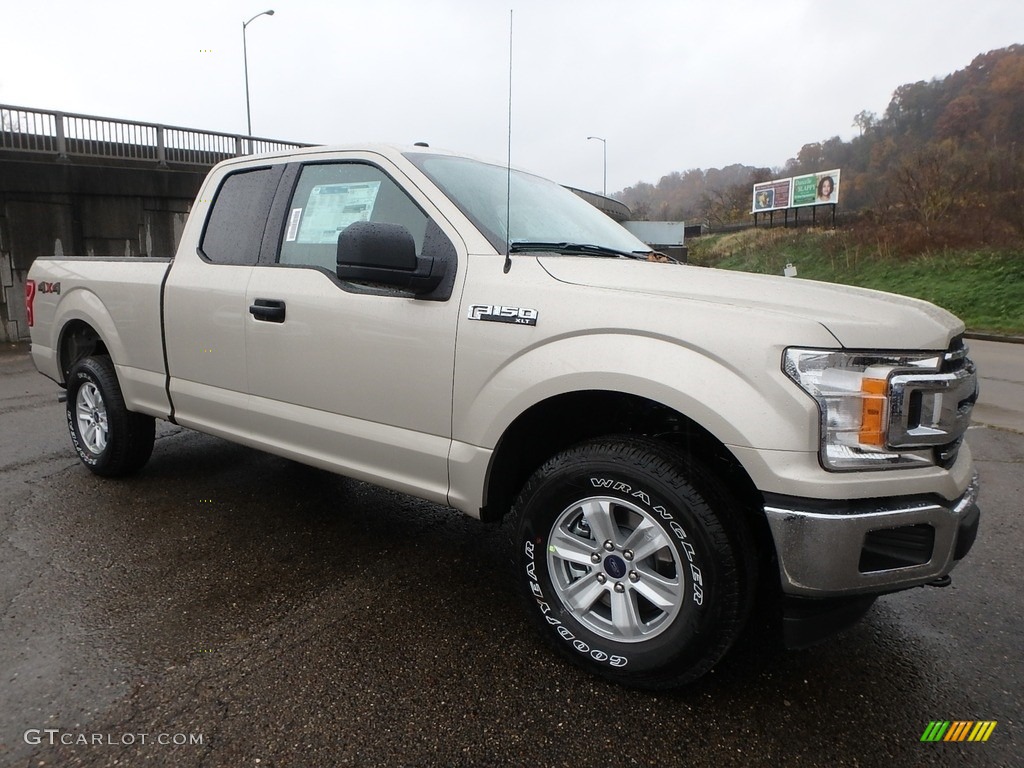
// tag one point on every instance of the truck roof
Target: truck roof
(394, 152)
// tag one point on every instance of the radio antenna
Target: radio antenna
(508, 164)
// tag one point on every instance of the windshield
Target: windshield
(542, 211)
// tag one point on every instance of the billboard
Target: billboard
(816, 189)
(812, 189)
(771, 196)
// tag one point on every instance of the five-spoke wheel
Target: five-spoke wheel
(634, 560)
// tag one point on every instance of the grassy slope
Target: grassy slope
(985, 287)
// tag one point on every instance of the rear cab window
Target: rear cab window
(238, 216)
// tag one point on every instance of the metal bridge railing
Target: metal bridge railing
(66, 135)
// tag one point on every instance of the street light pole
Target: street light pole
(604, 189)
(245, 60)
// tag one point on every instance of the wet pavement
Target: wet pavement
(229, 608)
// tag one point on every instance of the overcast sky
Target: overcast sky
(669, 85)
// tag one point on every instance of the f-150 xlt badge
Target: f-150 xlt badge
(495, 313)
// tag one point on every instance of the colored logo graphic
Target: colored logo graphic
(958, 730)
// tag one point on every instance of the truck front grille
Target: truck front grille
(932, 409)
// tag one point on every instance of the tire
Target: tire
(633, 561)
(109, 439)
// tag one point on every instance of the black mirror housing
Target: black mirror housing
(374, 252)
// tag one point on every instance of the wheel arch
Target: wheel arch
(560, 421)
(77, 339)
(85, 328)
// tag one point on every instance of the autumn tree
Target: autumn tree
(864, 121)
(934, 182)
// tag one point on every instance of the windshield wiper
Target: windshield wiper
(527, 246)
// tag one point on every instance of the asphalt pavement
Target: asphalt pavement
(230, 608)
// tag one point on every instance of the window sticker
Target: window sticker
(293, 225)
(331, 208)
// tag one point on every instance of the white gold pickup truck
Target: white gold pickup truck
(677, 444)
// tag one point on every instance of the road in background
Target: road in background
(1001, 371)
(286, 616)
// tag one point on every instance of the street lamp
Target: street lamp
(605, 144)
(245, 59)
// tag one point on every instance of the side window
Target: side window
(329, 197)
(238, 216)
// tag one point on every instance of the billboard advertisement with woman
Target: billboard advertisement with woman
(816, 189)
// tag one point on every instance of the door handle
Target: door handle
(268, 310)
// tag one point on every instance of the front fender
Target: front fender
(745, 403)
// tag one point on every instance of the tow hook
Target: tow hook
(942, 581)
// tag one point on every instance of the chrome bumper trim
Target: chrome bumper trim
(819, 552)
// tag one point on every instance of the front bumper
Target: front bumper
(870, 546)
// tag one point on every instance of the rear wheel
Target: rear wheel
(109, 439)
(634, 562)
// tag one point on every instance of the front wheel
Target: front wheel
(109, 439)
(634, 562)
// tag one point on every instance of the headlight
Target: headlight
(853, 395)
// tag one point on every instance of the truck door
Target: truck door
(205, 308)
(354, 378)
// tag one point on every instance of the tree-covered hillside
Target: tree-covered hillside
(947, 158)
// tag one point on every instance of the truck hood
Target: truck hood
(857, 317)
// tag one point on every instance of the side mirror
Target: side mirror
(373, 252)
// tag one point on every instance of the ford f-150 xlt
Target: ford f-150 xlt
(677, 444)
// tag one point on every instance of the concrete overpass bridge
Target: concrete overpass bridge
(87, 185)
(100, 186)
